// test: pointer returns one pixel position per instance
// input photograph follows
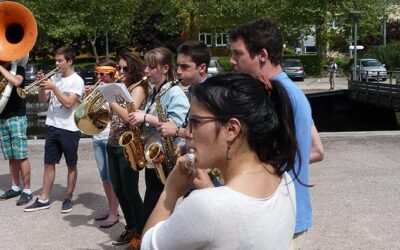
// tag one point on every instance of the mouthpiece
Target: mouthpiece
(190, 162)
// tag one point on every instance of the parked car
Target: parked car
(77, 70)
(294, 69)
(31, 70)
(214, 67)
(87, 73)
(371, 69)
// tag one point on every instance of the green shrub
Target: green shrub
(312, 64)
(225, 63)
(389, 55)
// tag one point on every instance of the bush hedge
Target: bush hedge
(312, 64)
(226, 65)
(389, 55)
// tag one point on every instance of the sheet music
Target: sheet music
(114, 92)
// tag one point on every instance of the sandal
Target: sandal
(109, 222)
(101, 216)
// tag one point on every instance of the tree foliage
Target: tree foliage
(81, 23)
(146, 24)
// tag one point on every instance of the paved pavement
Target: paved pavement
(313, 84)
(355, 199)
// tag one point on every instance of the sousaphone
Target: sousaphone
(18, 33)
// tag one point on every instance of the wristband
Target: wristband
(144, 118)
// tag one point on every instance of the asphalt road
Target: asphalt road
(355, 199)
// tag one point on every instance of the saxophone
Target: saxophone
(162, 154)
(132, 141)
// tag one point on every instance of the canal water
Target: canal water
(337, 113)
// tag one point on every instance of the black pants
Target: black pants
(154, 188)
(125, 184)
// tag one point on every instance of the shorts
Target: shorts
(61, 141)
(13, 138)
(100, 153)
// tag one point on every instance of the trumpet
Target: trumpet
(34, 86)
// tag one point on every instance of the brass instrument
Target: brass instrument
(92, 116)
(132, 141)
(18, 32)
(34, 86)
(162, 154)
(94, 87)
(216, 172)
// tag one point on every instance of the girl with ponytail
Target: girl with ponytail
(247, 131)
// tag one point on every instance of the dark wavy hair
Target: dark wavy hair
(135, 70)
(268, 123)
(260, 34)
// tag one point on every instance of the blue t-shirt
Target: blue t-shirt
(303, 122)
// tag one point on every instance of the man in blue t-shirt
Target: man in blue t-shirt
(256, 49)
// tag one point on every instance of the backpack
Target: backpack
(333, 67)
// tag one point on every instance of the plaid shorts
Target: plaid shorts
(13, 139)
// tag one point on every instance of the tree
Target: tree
(70, 21)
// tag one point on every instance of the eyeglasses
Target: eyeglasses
(101, 74)
(194, 121)
(123, 68)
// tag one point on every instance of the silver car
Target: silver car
(294, 69)
(214, 67)
(371, 69)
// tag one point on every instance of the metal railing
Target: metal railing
(390, 77)
(382, 93)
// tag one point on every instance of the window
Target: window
(206, 38)
(221, 39)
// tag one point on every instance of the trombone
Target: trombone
(34, 86)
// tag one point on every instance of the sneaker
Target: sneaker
(37, 205)
(10, 194)
(24, 199)
(66, 206)
(124, 238)
(135, 243)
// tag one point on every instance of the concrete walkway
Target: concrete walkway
(321, 84)
(356, 199)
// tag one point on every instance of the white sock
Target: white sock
(15, 188)
(27, 191)
(43, 201)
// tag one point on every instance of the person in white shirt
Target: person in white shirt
(63, 92)
(247, 131)
(332, 73)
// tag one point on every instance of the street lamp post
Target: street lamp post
(355, 16)
(106, 38)
(384, 23)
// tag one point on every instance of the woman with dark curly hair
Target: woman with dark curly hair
(124, 179)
